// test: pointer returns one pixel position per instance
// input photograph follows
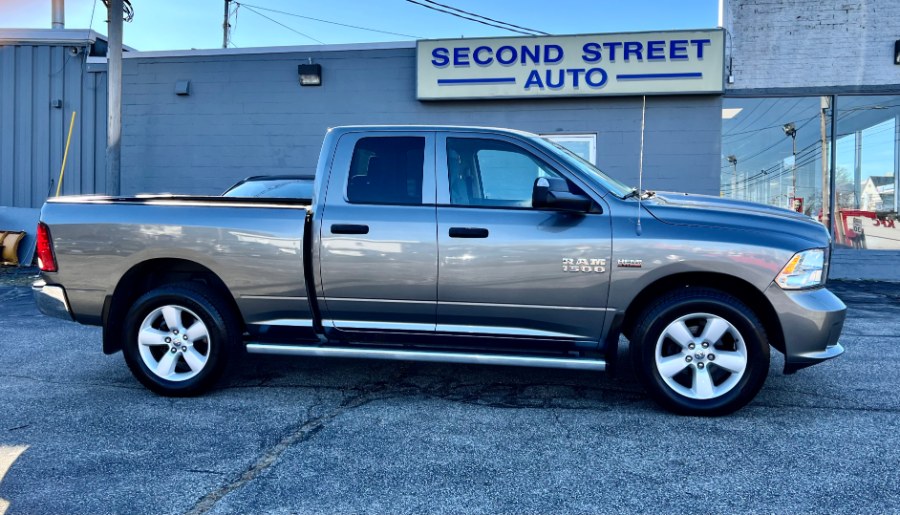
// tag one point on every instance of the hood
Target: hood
(691, 209)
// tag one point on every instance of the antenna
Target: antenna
(637, 228)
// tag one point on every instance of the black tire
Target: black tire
(682, 392)
(196, 303)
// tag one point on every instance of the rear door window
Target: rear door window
(387, 170)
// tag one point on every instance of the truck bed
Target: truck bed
(254, 245)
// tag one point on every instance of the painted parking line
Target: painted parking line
(8, 456)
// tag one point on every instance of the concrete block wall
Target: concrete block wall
(248, 115)
(811, 43)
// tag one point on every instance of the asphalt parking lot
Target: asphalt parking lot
(79, 435)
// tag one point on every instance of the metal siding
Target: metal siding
(86, 123)
(99, 131)
(24, 127)
(56, 139)
(41, 173)
(247, 115)
(7, 123)
(32, 133)
(72, 93)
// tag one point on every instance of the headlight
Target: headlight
(805, 270)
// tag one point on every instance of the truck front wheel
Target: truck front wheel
(700, 351)
(177, 339)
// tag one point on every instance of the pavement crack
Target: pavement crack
(205, 471)
(299, 434)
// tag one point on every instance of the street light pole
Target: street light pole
(794, 164)
(791, 130)
(733, 160)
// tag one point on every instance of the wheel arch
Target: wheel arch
(146, 276)
(743, 290)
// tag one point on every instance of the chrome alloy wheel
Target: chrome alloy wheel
(701, 356)
(174, 343)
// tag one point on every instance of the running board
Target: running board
(428, 356)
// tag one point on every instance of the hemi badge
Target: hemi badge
(630, 263)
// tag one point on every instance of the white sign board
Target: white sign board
(645, 63)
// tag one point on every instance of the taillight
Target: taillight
(46, 259)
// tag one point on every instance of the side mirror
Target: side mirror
(549, 193)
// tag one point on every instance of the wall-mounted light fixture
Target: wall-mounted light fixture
(310, 74)
(897, 52)
(182, 87)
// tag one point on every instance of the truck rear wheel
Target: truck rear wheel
(178, 338)
(700, 351)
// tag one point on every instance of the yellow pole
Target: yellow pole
(62, 170)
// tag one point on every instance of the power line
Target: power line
(733, 134)
(773, 145)
(93, 9)
(486, 18)
(805, 156)
(127, 9)
(476, 20)
(282, 24)
(742, 121)
(328, 21)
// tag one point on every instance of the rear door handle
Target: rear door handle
(468, 232)
(349, 229)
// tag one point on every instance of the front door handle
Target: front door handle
(468, 232)
(349, 229)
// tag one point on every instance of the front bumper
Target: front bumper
(51, 300)
(811, 321)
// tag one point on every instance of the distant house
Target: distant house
(878, 194)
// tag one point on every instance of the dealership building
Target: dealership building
(793, 104)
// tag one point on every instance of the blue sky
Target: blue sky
(182, 24)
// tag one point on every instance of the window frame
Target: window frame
(542, 166)
(548, 161)
(427, 184)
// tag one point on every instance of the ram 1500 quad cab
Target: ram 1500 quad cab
(450, 244)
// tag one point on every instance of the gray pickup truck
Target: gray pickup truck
(450, 244)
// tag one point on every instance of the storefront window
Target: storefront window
(773, 150)
(866, 172)
(583, 145)
(777, 151)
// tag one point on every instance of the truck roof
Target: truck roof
(441, 128)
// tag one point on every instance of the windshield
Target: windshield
(273, 188)
(615, 187)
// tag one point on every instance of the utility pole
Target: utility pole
(114, 98)
(226, 26)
